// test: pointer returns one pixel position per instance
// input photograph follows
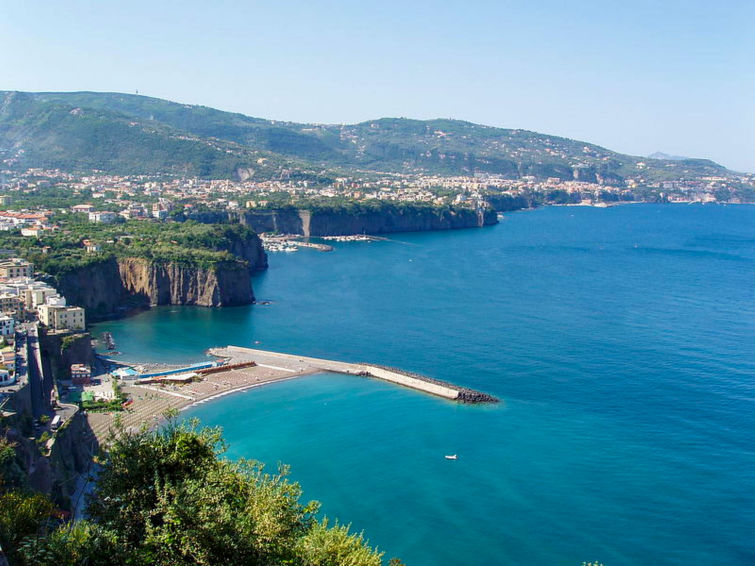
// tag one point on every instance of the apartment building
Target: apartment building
(15, 267)
(60, 317)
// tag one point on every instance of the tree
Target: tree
(23, 517)
(173, 501)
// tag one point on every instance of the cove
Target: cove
(620, 341)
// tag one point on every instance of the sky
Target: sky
(635, 77)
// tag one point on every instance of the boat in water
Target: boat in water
(451, 457)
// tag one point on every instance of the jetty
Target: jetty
(302, 365)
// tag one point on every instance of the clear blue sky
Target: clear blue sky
(676, 76)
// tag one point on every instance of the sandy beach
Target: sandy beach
(151, 401)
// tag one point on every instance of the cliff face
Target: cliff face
(249, 250)
(52, 473)
(115, 284)
(173, 284)
(347, 222)
(382, 222)
(96, 287)
(106, 288)
(59, 351)
(507, 203)
(285, 221)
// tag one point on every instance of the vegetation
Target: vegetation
(167, 498)
(122, 133)
(185, 243)
(106, 406)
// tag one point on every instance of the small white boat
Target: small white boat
(451, 457)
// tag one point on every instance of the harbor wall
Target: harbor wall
(413, 382)
(303, 364)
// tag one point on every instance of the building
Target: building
(102, 217)
(81, 374)
(37, 293)
(59, 317)
(86, 208)
(6, 378)
(15, 267)
(33, 232)
(8, 358)
(90, 246)
(7, 325)
(11, 304)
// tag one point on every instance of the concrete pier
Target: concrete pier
(303, 365)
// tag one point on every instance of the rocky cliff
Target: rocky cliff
(337, 223)
(60, 350)
(170, 283)
(97, 287)
(115, 284)
(342, 221)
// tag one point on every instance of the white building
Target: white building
(6, 378)
(58, 317)
(7, 325)
(102, 216)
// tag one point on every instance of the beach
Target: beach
(151, 401)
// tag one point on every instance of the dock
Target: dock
(300, 365)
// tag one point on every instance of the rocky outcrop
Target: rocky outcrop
(113, 285)
(347, 221)
(97, 287)
(397, 220)
(70, 456)
(55, 472)
(249, 250)
(106, 288)
(170, 283)
(508, 203)
(61, 350)
(337, 222)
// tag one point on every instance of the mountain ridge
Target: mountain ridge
(118, 132)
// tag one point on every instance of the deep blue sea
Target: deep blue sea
(621, 341)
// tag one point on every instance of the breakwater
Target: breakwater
(303, 364)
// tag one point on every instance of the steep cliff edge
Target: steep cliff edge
(219, 274)
(353, 218)
(97, 287)
(338, 223)
(169, 283)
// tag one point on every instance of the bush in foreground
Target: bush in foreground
(166, 497)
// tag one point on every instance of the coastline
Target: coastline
(148, 402)
(241, 389)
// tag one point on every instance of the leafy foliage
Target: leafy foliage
(186, 243)
(23, 517)
(166, 498)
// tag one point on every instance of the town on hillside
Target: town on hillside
(30, 198)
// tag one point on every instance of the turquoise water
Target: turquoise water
(622, 341)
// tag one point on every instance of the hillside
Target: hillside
(124, 133)
(39, 133)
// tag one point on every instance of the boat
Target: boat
(451, 457)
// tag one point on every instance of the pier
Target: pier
(299, 365)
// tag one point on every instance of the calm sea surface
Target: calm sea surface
(621, 340)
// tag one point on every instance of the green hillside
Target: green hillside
(54, 134)
(129, 133)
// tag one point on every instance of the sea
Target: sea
(621, 342)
